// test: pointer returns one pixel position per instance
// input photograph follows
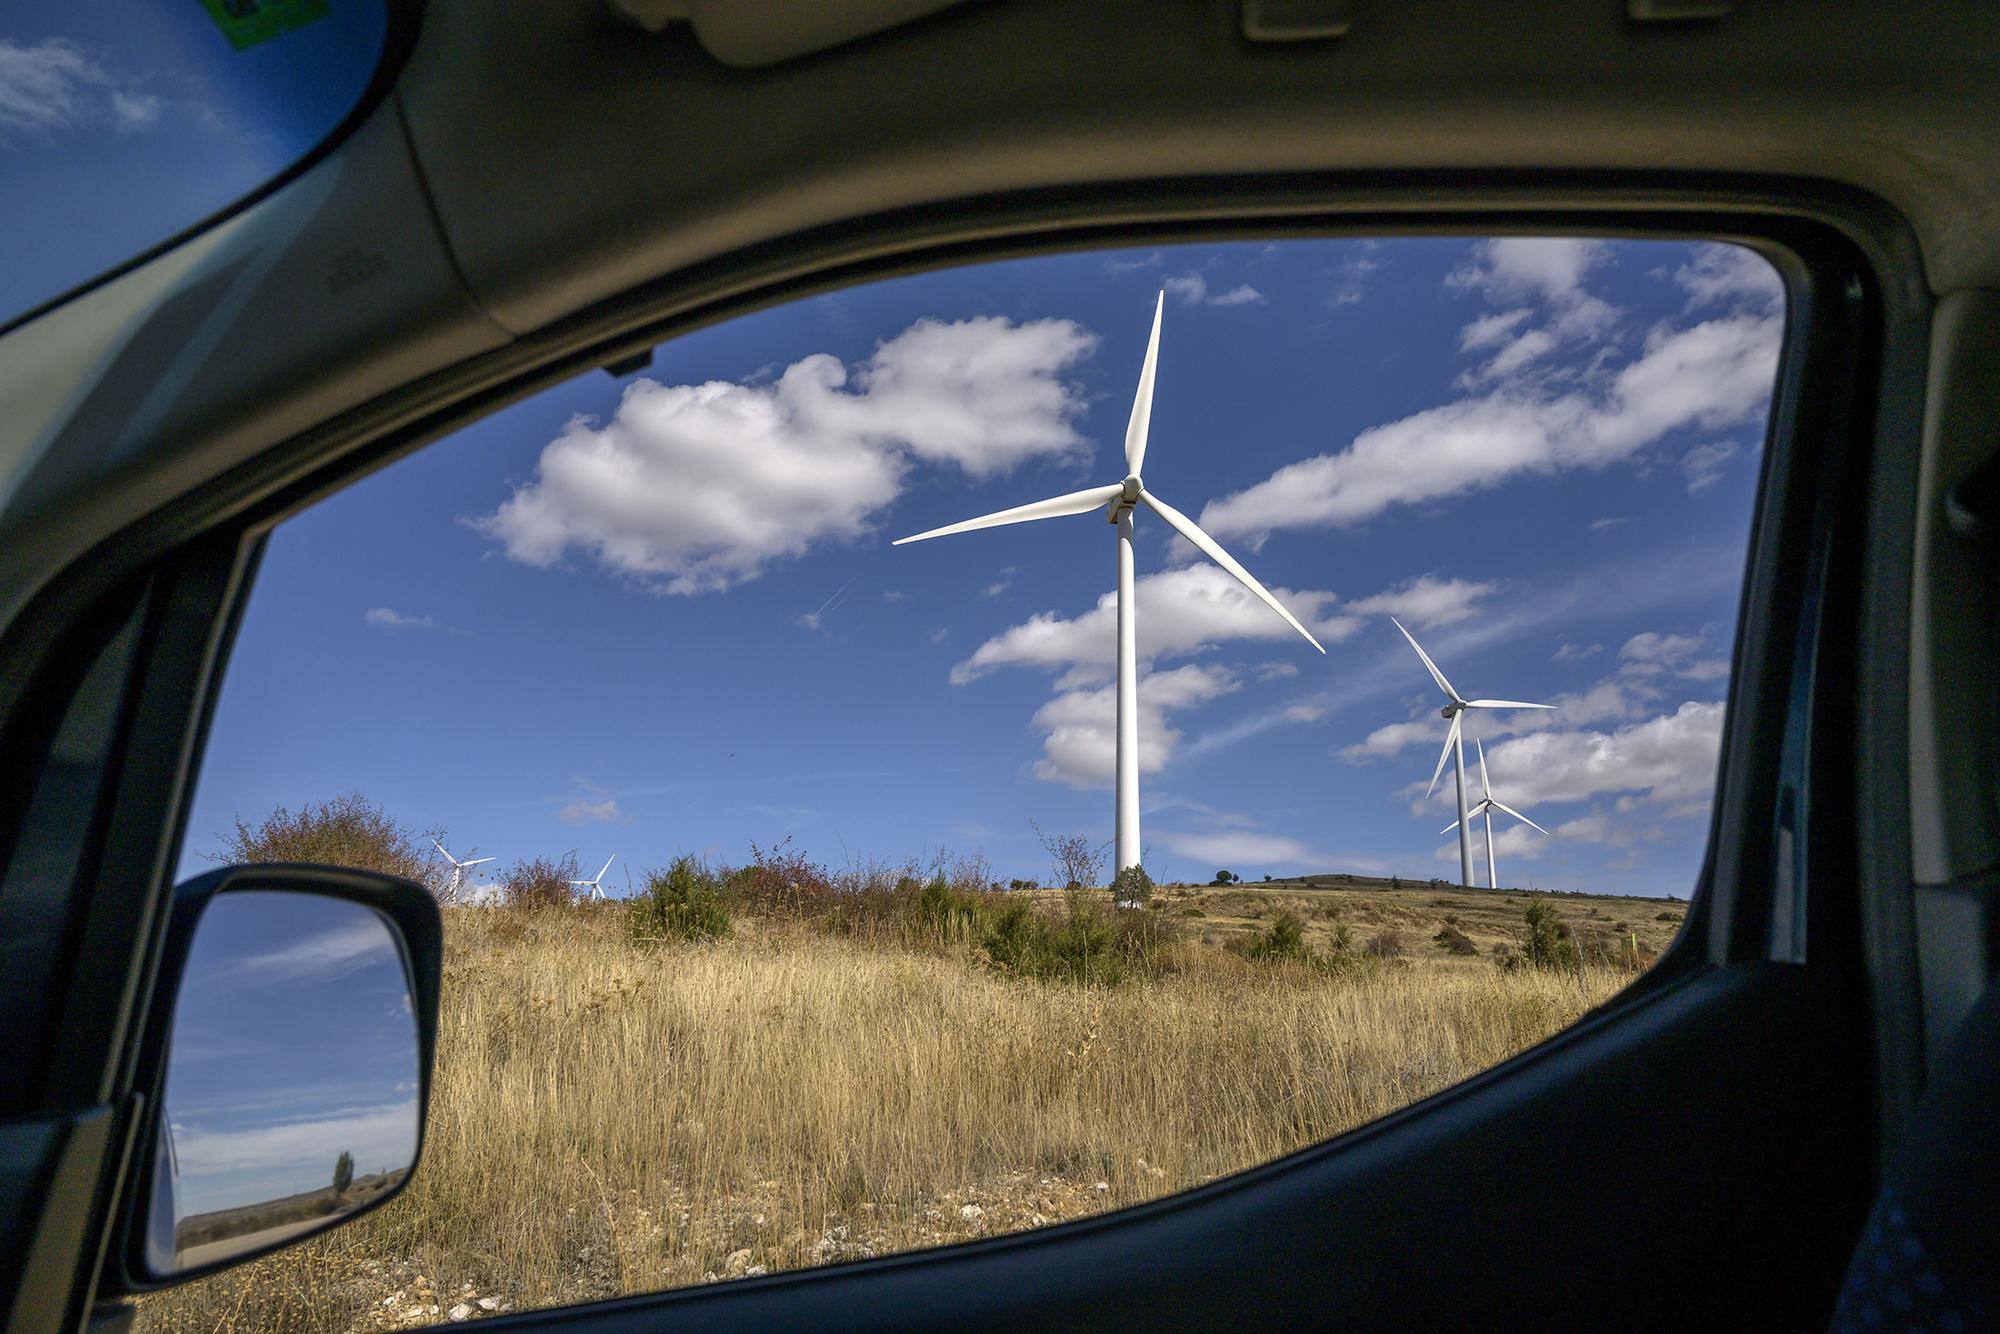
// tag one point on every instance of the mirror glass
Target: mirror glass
(292, 1077)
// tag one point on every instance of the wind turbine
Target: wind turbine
(1454, 747)
(458, 868)
(1119, 499)
(596, 883)
(1487, 805)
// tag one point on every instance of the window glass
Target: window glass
(785, 925)
(121, 125)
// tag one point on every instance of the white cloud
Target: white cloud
(1350, 278)
(1192, 289)
(55, 85)
(1609, 521)
(1713, 375)
(1426, 601)
(1394, 738)
(1180, 611)
(1577, 652)
(1230, 849)
(1703, 463)
(1666, 760)
(1117, 267)
(584, 811)
(1242, 295)
(1549, 267)
(213, 1160)
(1080, 741)
(693, 488)
(1001, 585)
(392, 619)
(1277, 669)
(1491, 330)
(1724, 274)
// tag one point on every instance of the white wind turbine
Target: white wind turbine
(458, 868)
(1119, 500)
(596, 883)
(1488, 803)
(1454, 747)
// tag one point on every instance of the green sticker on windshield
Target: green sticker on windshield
(247, 22)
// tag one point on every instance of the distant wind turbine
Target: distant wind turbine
(596, 883)
(458, 868)
(1454, 747)
(1119, 500)
(1488, 803)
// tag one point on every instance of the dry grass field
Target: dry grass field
(611, 1118)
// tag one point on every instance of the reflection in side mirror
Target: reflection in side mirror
(293, 1078)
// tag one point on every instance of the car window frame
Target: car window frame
(1831, 246)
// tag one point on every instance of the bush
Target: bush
(1343, 941)
(1089, 945)
(683, 902)
(347, 831)
(939, 915)
(1450, 938)
(539, 885)
(781, 883)
(1283, 942)
(1131, 886)
(1226, 878)
(1668, 917)
(1387, 945)
(1547, 943)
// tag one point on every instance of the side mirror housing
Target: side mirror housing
(287, 1063)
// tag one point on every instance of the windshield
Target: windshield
(122, 125)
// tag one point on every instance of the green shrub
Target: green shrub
(938, 915)
(343, 1172)
(1548, 942)
(1283, 942)
(1668, 917)
(1131, 886)
(683, 902)
(1343, 941)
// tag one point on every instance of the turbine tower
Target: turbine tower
(596, 883)
(1454, 747)
(1488, 803)
(1119, 500)
(458, 869)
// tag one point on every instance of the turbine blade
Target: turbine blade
(1432, 667)
(478, 861)
(1055, 507)
(1503, 704)
(447, 856)
(607, 866)
(1485, 786)
(1185, 526)
(1501, 806)
(1142, 402)
(1450, 739)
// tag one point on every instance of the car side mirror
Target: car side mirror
(290, 1059)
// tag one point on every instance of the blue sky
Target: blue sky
(661, 614)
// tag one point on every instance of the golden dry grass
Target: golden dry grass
(610, 1120)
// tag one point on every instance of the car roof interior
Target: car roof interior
(550, 186)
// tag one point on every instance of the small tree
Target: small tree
(1131, 887)
(1547, 942)
(1395, 882)
(1078, 863)
(683, 902)
(343, 1172)
(1284, 942)
(1226, 877)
